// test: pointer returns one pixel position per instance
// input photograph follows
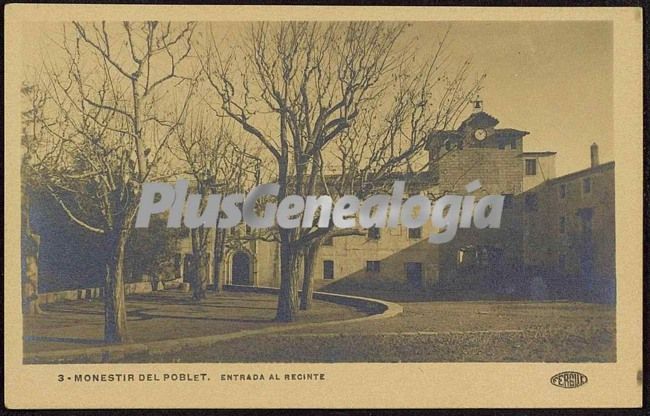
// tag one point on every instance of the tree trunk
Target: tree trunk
(31, 304)
(29, 258)
(199, 276)
(298, 270)
(115, 331)
(201, 286)
(289, 271)
(308, 276)
(217, 258)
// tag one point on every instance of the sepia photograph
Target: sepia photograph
(204, 194)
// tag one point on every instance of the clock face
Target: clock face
(480, 134)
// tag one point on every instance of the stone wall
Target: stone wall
(584, 263)
(499, 170)
(545, 170)
(90, 293)
(393, 250)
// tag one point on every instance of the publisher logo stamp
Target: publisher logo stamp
(569, 379)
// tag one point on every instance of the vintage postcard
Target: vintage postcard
(339, 207)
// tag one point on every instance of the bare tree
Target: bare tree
(309, 80)
(35, 101)
(110, 111)
(316, 84)
(216, 164)
(387, 140)
(386, 143)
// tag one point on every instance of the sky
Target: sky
(552, 79)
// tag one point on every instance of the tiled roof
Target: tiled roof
(573, 175)
(445, 134)
(481, 118)
(542, 154)
(510, 132)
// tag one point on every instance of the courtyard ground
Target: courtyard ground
(163, 315)
(436, 332)
(471, 331)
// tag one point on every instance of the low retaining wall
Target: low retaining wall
(75, 294)
(373, 306)
(91, 293)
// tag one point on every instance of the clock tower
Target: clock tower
(477, 149)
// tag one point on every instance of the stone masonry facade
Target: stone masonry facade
(526, 257)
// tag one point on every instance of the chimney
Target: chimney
(478, 105)
(594, 155)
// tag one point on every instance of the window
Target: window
(586, 185)
(562, 225)
(415, 233)
(531, 202)
(561, 262)
(586, 215)
(531, 167)
(414, 274)
(328, 241)
(563, 191)
(460, 257)
(328, 269)
(451, 144)
(374, 233)
(373, 266)
(466, 256)
(513, 145)
(508, 201)
(502, 145)
(483, 256)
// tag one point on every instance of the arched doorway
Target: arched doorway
(241, 269)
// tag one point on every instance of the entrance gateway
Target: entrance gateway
(241, 269)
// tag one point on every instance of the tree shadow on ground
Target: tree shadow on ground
(85, 341)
